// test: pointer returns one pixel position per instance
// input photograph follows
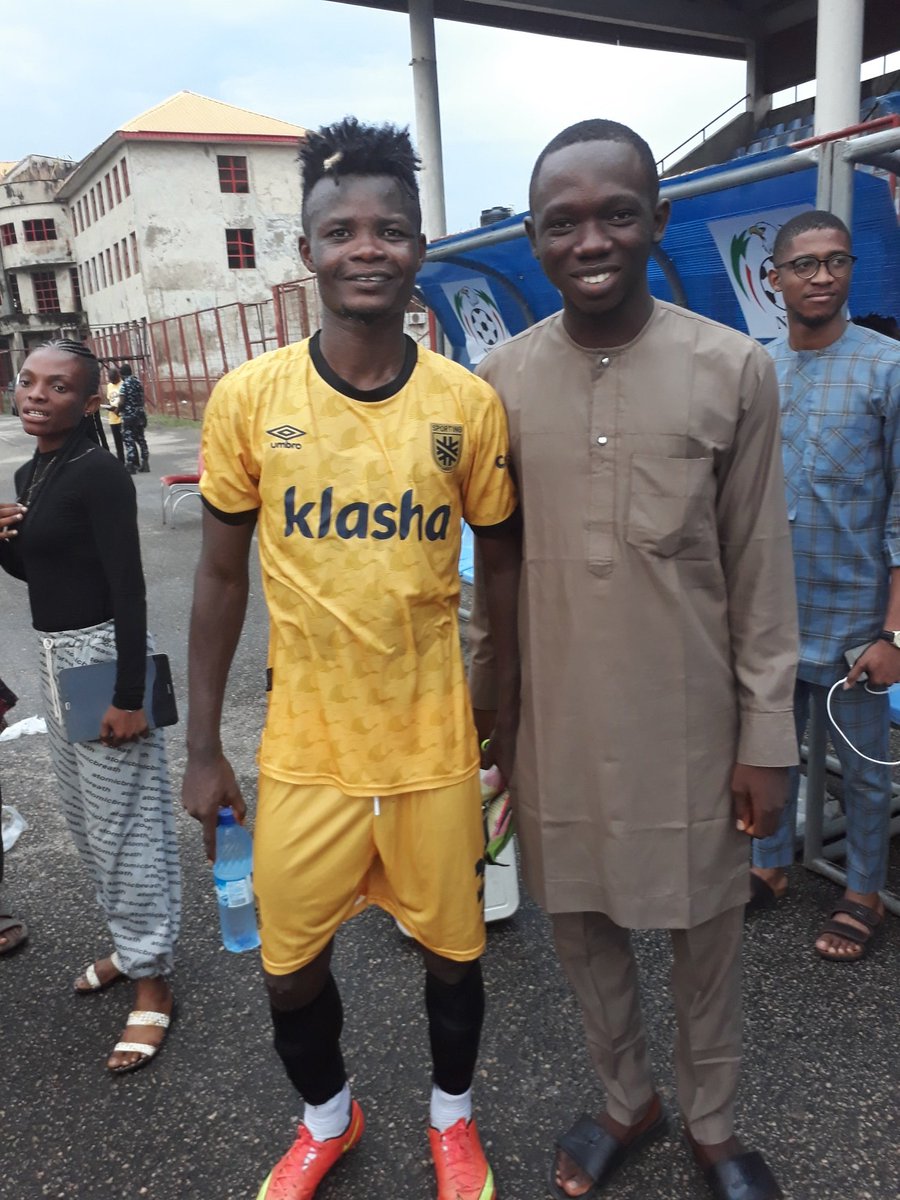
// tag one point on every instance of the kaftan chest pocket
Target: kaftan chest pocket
(845, 449)
(671, 506)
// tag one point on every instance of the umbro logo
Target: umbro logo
(287, 435)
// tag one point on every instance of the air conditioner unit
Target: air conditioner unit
(417, 318)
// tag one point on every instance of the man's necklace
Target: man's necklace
(41, 471)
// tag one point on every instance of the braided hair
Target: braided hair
(90, 427)
(80, 350)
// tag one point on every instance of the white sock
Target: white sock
(328, 1120)
(446, 1110)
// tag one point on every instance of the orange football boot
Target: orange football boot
(462, 1170)
(299, 1173)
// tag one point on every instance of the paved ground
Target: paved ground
(820, 1092)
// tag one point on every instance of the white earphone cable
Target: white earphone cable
(880, 762)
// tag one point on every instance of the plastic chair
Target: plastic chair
(175, 488)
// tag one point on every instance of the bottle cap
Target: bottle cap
(226, 816)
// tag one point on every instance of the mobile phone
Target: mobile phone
(852, 655)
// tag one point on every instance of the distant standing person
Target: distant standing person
(134, 421)
(114, 379)
(840, 427)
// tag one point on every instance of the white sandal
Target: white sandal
(155, 1020)
(89, 974)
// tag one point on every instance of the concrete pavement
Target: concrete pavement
(209, 1118)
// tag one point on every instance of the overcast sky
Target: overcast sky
(74, 71)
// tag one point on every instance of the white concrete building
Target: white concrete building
(192, 205)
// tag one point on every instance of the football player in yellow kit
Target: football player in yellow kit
(356, 454)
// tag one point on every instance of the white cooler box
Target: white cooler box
(501, 885)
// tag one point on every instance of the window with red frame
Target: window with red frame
(41, 230)
(125, 184)
(118, 259)
(115, 175)
(93, 195)
(8, 234)
(46, 297)
(239, 244)
(125, 257)
(135, 265)
(76, 286)
(15, 298)
(233, 173)
(108, 182)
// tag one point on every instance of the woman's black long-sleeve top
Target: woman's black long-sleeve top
(79, 553)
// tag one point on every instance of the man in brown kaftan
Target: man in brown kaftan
(657, 631)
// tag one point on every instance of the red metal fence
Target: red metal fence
(180, 359)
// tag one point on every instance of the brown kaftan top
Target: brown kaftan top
(658, 623)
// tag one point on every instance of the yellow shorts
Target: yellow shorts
(319, 857)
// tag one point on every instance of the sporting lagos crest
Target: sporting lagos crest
(446, 445)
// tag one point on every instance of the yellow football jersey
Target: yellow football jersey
(359, 509)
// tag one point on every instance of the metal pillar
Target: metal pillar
(838, 60)
(759, 103)
(428, 116)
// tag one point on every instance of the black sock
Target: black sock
(308, 1043)
(455, 1015)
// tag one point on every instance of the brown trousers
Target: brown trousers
(597, 957)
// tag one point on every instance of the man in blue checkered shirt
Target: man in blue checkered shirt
(840, 410)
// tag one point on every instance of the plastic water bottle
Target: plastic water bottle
(233, 875)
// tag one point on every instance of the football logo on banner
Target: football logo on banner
(746, 245)
(479, 315)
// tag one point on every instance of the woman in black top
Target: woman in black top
(72, 536)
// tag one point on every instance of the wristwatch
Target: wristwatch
(892, 636)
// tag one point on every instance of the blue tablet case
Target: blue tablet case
(85, 693)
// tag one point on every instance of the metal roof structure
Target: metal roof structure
(190, 113)
(779, 36)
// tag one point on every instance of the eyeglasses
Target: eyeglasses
(807, 266)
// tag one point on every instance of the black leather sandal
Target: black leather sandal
(746, 1176)
(869, 917)
(598, 1153)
